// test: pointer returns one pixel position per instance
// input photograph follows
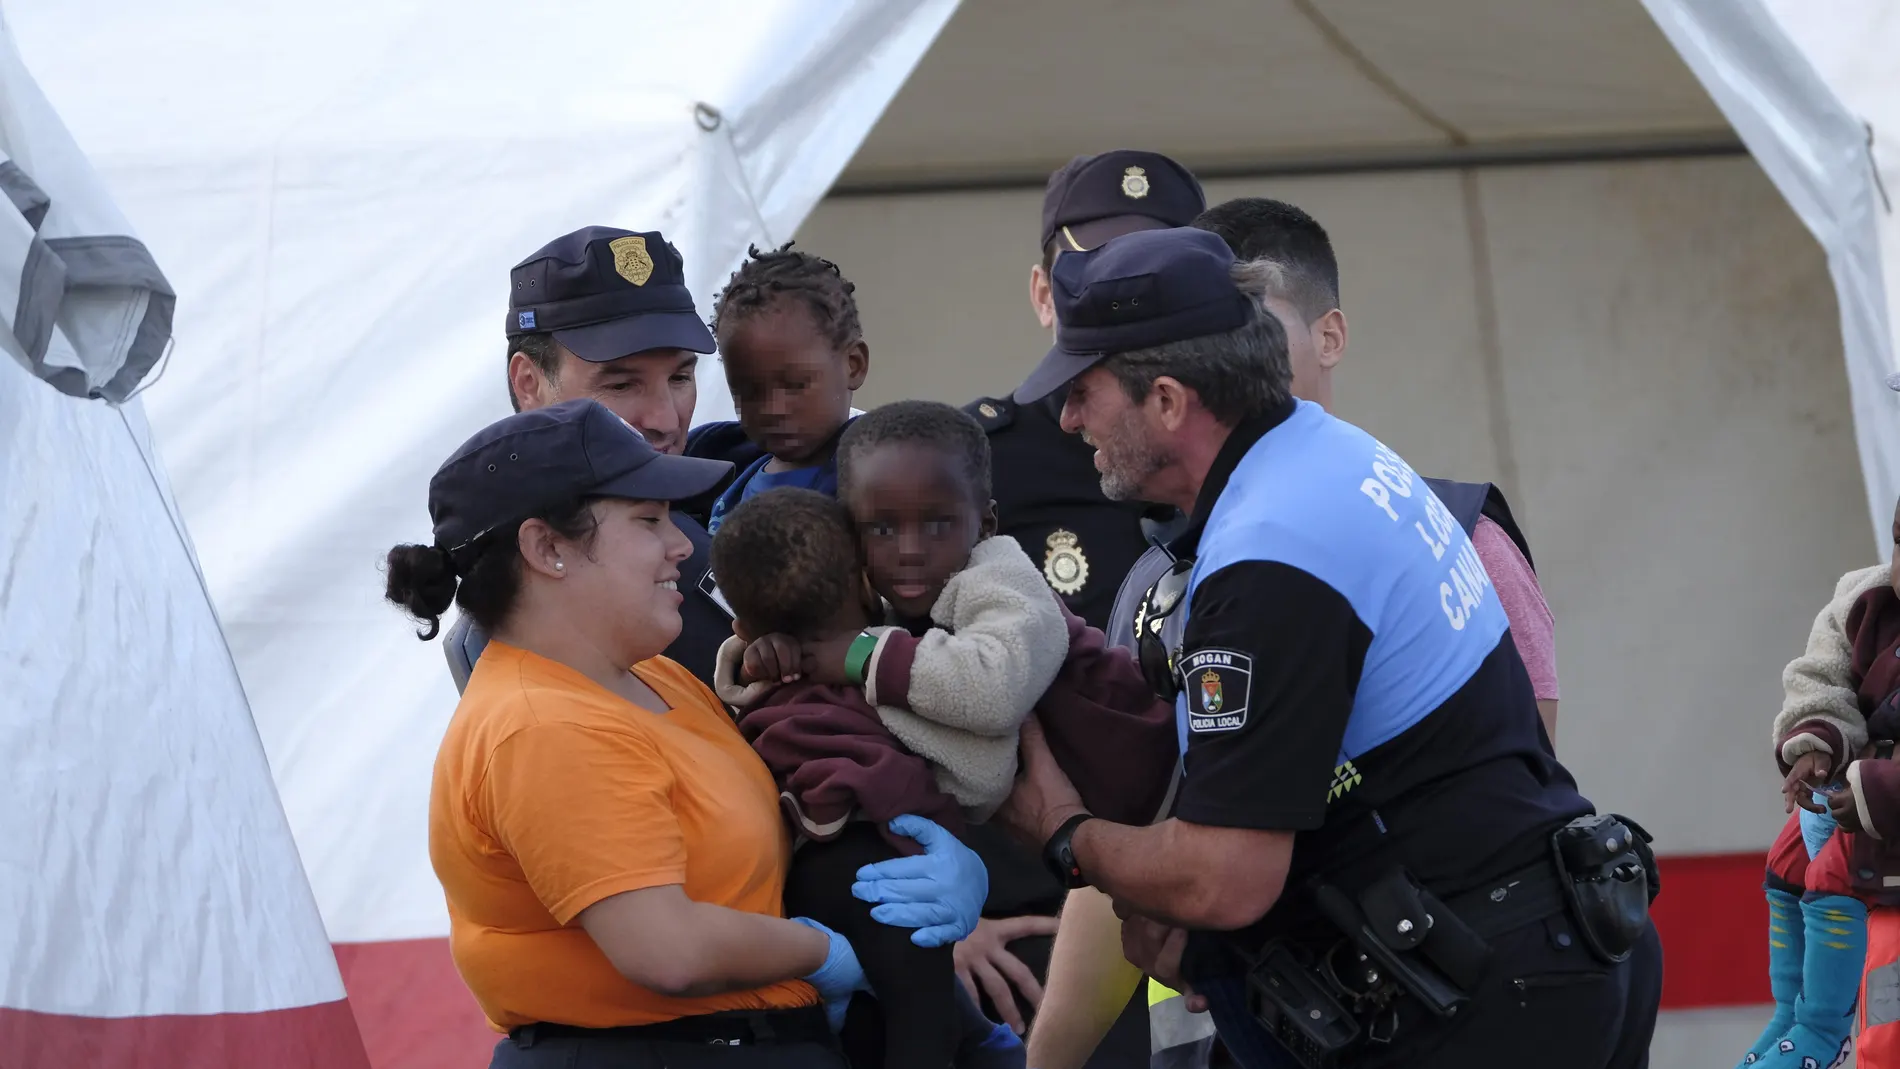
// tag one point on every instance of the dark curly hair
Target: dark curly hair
(930, 423)
(783, 272)
(787, 560)
(423, 580)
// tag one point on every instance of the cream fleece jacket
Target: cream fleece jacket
(999, 642)
(1000, 639)
(1819, 684)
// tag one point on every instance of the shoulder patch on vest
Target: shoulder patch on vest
(993, 413)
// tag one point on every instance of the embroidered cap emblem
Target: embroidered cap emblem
(1135, 183)
(1063, 563)
(631, 260)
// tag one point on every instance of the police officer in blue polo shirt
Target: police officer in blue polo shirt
(1373, 858)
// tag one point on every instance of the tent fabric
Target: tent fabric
(337, 192)
(67, 257)
(155, 908)
(339, 219)
(1809, 96)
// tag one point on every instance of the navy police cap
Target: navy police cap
(605, 293)
(1094, 198)
(534, 460)
(1137, 291)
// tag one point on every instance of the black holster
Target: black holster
(1399, 940)
(1609, 878)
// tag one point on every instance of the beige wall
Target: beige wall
(1664, 403)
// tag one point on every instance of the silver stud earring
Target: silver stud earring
(559, 567)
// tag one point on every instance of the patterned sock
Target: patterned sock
(1786, 942)
(1836, 934)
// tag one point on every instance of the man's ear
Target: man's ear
(528, 387)
(1169, 402)
(1329, 338)
(987, 527)
(857, 365)
(1040, 298)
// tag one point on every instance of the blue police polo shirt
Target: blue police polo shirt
(1348, 672)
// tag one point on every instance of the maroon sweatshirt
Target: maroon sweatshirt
(832, 755)
(1108, 731)
(1873, 630)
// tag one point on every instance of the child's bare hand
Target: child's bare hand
(824, 660)
(772, 659)
(1810, 770)
(1846, 813)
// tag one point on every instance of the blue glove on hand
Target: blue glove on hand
(940, 892)
(839, 977)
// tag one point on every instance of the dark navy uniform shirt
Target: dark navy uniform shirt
(1348, 673)
(1049, 499)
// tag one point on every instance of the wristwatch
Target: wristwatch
(1059, 852)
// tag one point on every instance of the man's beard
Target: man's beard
(1130, 463)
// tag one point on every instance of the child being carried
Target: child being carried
(861, 721)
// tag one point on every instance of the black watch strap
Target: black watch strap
(1059, 852)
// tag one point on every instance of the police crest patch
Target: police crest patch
(1217, 685)
(1135, 183)
(631, 259)
(1063, 563)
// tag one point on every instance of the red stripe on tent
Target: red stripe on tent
(412, 1007)
(1714, 926)
(307, 1037)
(415, 1013)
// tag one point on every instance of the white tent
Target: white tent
(1560, 276)
(338, 191)
(1816, 99)
(155, 909)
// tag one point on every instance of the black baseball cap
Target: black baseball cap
(1094, 198)
(1134, 292)
(605, 293)
(522, 464)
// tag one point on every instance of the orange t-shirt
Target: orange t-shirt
(552, 793)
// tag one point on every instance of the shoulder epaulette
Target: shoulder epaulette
(994, 413)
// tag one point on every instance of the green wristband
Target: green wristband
(858, 657)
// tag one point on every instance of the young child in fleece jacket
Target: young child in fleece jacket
(1835, 868)
(861, 723)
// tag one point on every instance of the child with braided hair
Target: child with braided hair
(788, 334)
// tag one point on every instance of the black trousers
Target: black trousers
(916, 986)
(1545, 1001)
(568, 1052)
(779, 1039)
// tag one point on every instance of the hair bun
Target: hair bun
(421, 580)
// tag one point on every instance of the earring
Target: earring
(559, 567)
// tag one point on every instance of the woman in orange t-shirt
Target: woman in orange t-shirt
(610, 847)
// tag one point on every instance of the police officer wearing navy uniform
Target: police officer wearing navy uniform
(604, 313)
(1373, 859)
(1048, 494)
(1048, 497)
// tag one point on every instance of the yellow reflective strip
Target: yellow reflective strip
(1771, 943)
(1158, 993)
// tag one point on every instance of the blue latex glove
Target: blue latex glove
(940, 892)
(839, 977)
